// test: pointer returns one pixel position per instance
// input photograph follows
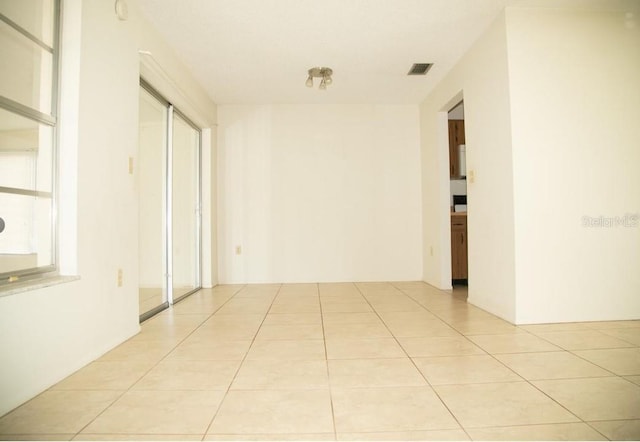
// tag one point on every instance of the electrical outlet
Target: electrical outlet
(471, 177)
(431, 250)
(119, 277)
(238, 250)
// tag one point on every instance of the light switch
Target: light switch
(130, 165)
(471, 177)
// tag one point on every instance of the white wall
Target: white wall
(318, 193)
(481, 78)
(47, 334)
(574, 79)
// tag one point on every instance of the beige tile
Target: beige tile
(484, 327)
(631, 335)
(583, 340)
(374, 287)
(409, 285)
(419, 317)
(139, 350)
(621, 361)
(233, 320)
(512, 343)
(439, 346)
(619, 430)
(274, 411)
(461, 313)
(356, 331)
(407, 435)
(293, 319)
(354, 298)
(634, 379)
(250, 290)
(337, 288)
(313, 301)
(276, 436)
(295, 308)
(302, 349)
(608, 325)
(350, 318)
(57, 412)
(226, 332)
(408, 329)
(169, 320)
(363, 348)
(464, 370)
(299, 289)
(355, 373)
(236, 310)
(552, 365)
(565, 326)
(210, 350)
(288, 332)
(281, 374)
(189, 375)
(577, 431)
(140, 437)
(347, 307)
(389, 409)
(166, 334)
(503, 404)
(36, 436)
(105, 375)
(595, 398)
(406, 305)
(188, 307)
(158, 412)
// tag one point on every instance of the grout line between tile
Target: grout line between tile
(157, 363)
(415, 366)
(240, 365)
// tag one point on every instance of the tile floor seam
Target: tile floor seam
(159, 361)
(416, 367)
(514, 372)
(215, 414)
(326, 361)
(396, 304)
(573, 352)
(533, 385)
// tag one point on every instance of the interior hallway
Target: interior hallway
(395, 361)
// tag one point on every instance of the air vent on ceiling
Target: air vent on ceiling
(419, 68)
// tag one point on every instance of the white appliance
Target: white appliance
(462, 159)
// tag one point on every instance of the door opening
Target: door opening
(458, 198)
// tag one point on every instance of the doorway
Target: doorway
(169, 220)
(458, 197)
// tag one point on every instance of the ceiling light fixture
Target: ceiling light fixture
(323, 73)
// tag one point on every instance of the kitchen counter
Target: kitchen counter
(458, 213)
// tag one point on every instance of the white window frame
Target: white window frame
(50, 119)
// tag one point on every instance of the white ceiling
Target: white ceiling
(259, 51)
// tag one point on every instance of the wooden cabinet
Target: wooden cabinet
(459, 246)
(456, 138)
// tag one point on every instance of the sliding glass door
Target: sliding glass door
(185, 216)
(169, 207)
(152, 207)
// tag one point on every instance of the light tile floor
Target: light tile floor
(365, 361)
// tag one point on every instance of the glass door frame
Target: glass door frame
(168, 206)
(198, 212)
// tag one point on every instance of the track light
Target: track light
(323, 73)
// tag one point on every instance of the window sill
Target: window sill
(34, 284)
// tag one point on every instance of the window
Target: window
(28, 101)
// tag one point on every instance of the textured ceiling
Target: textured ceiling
(258, 51)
